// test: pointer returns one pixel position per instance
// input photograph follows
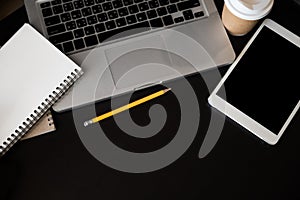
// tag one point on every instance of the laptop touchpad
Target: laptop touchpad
(140, 62)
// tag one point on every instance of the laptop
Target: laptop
(126, 45)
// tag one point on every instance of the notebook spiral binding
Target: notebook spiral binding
(40, 111)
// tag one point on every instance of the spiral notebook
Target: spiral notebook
(33, 76)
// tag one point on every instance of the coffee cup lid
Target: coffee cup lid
(249, 9)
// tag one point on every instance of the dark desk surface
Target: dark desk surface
(57, 165)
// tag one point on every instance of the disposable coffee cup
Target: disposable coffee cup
(240, 16)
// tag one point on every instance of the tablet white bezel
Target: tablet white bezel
(237, 115)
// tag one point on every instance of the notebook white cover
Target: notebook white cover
(33, 74)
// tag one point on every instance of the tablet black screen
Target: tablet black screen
(265, 83)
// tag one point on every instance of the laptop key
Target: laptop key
(143, 6)
(78, 33)
(47, 12)
(52, 20)
(117, 4)
(92, 20)
(123, 12)
(112, 14)
(125, 31)
(102, 17)
(57, 9)
(162, 11)
(68, 7)
(79, 44)
(91, 40)
(59, 46)
(81, 22)
(107, 6)
(99, 1)
(138, 1)
(127, 2)
(199, 14)
(172, 8)
(56, 29)
(156, 23)
(168, 20)
(45, 5)
(131, 19)
(153, 3)
(55, 2)
(188, 14)
(188, 4)
(65, 17)
(71, 25)
(100, 27)
(141, 16)
(164, 2)
(178, 19)
(86, 11)
(76, 14)
(133, 9)
(97, 9)
(89, 2)
(78, 4)
(89, 30)
(151, 14)
(68, 46)
(61, 37)
(121, 22)
(110, 25)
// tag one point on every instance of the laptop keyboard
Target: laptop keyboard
(76, 25)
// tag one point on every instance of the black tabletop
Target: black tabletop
(240, 166)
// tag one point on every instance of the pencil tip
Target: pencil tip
(167, 90)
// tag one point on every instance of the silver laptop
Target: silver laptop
(125, 45)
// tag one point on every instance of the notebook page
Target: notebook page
(31, 68)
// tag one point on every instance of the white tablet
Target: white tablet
(263, 84)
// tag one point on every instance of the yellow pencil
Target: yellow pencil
(126, 107)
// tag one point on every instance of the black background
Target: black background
(57, 166)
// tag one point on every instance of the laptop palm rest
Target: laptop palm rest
(140, 63)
